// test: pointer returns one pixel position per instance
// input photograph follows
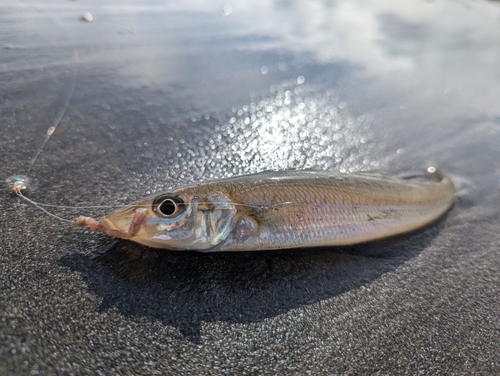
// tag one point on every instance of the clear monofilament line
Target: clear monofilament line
(57, 120)
(18, 192)
(80, 207)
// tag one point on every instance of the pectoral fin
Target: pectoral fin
(220, 215)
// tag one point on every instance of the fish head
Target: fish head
(177, 220)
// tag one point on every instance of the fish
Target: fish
(285, 209)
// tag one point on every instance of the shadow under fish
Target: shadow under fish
(185, 289)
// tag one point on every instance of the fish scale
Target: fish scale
(334, 209)
(282, 209)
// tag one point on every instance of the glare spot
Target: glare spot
(283, 67)
(342, 105)
(300, 80)
(264, 70)
(337, 136)
(431, 169)
(268, 129)
(361, 118)
(400, 151)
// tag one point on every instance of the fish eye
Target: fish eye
(168, 206)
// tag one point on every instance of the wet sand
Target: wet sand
(167, 95)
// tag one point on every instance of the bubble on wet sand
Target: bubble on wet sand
(226, 10)
(87, 16)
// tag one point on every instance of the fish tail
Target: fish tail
(441, 177)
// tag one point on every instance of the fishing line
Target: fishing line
(58, 118)
(64, 207)
(18, 192)
(78, 207)
(21, 182)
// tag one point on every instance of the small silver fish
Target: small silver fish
(280, 209)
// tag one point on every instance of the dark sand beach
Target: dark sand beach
(152, 96)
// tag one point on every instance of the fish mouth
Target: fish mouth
(108, 225)
(109, 228)
(124, 228)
